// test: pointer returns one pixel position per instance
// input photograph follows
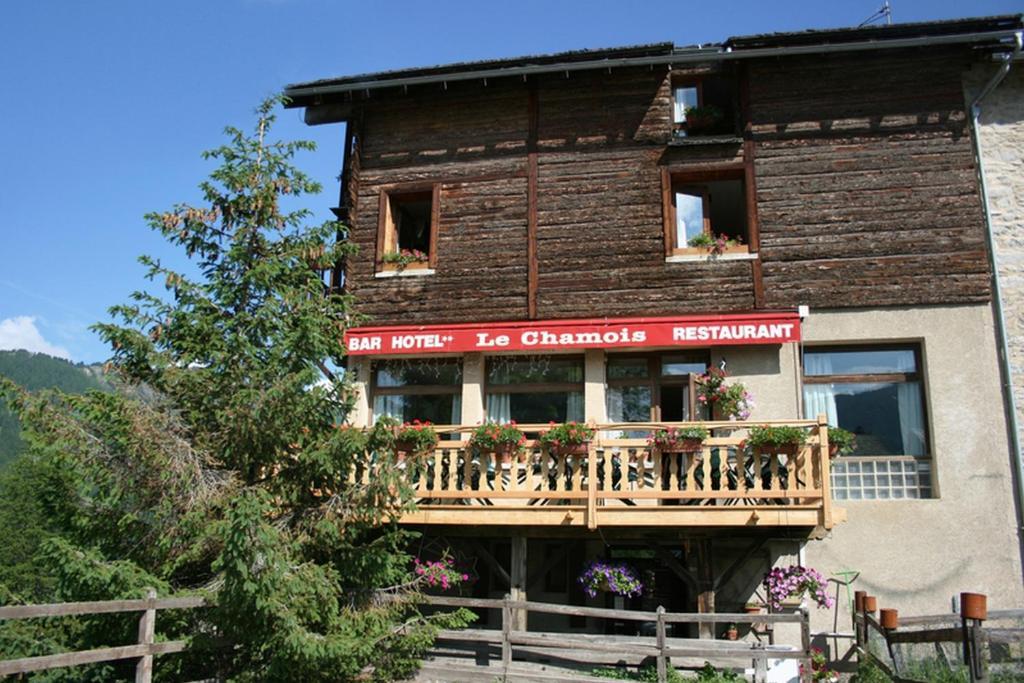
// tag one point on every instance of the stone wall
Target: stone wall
(1002, 151)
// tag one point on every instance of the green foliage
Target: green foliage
(709, 674)
(844, 441)
(225, 468)
(491, 435)
(777, 436)
(416, 437)
(36, 371)
(676, 438)
(647, 674)
(567, 434)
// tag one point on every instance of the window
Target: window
(654, 387)
(418, 390)
(407, 229)
(877, 393)
(704, 105)
(701, 206)
(535, 389)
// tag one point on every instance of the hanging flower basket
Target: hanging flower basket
(503, 440)
(414, 439)
(678, 440)
(610, 577)
(571, 438)
(786, 584)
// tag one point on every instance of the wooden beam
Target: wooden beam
(517, 585)
(705, 584)
(485, 555)
(533, 118)
(727, 575)
(675, 565)
(561, 554)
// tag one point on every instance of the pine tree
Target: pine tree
(238, 478)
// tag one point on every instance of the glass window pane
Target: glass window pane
(418, 373)
(629, 404)
(689, 217)
(437, 408)
(683, 364)
(627, 368)
(685, 98)
(542, 408)
(859, 362)
(536, 370)
(887, 417)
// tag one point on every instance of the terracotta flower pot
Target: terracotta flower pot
(752, 609)
(502, 452)
(571, 449)
(974, 606)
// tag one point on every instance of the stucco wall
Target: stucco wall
(915, 554)
(1002, 151)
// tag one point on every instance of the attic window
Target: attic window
(407, 229)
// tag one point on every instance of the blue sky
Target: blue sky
(108, 105)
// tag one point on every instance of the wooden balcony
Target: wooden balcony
(621, 482)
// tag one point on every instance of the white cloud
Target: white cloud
(21, 333)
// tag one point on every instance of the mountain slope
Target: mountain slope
(36, 371)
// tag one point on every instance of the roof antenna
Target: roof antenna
(884, 12)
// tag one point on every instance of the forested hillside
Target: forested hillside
(38, 371)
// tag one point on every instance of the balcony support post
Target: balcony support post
(826, 476)
(705, 585)
(518, 580)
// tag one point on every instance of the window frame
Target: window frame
(655, 379)
(867, 378)
(691, 178)
(387, 235)
(678, 82)
(413, 389)
(533, 387)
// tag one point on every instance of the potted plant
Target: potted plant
(403, 258)
(726, 401)
(502, 439)
(785, 584)
(840, 441)
(414, 438)
(618, 578)
(702, 118)
(752, 608)
(678, 439)
(570, 438)
(715, 244)
(784, 439)
(819, 667)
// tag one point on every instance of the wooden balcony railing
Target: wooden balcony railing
(621, 482)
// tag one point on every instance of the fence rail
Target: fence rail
(144, 651)
(966, 628)
(658, 646)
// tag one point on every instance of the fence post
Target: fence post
(973, 611)
(147, 629)
(591, 486)
(858, 617)
(889, 620)
(506, 637)
(826, 476)
(660, 633)
(805, 642)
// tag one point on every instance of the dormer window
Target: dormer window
(704, 105)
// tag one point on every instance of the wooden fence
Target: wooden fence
(659, 646)
(144, 650)
(966, 628)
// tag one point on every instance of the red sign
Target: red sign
(567, 335)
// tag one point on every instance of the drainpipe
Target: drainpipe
(1010, 402)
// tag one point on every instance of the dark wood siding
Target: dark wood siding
(865, 185)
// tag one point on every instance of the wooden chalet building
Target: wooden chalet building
(558, 205)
